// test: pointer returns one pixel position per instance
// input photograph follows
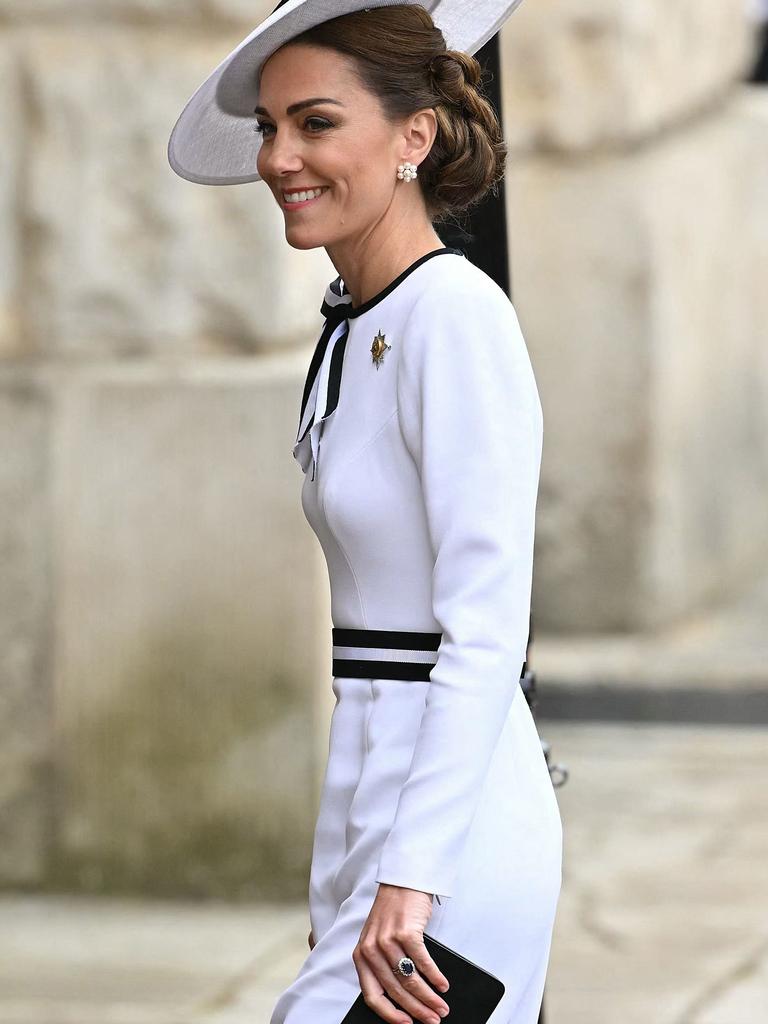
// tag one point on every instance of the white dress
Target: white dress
(421, 479)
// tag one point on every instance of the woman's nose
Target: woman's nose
(281, 156)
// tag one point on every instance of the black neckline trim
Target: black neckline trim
(353, 311)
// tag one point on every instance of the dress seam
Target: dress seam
(368, 720)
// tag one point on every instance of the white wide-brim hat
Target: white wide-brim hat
(213, 141)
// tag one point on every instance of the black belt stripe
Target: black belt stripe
(406, 670)
(390, 639)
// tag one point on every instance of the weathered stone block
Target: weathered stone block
(640, 283)
(126, 258)
(181, 12)
(10, 237)
(47, 11)
(193, 651)
(582, 74)
(25, 626)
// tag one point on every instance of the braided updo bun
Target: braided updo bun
(401, 56)
(469, 152)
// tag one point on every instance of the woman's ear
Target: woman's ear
(419, 133)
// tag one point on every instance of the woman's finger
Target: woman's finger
(412, 993)
(373, 995)
(425, 965)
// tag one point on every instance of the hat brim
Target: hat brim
(213, 141)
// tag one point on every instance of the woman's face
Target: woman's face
(339, 143)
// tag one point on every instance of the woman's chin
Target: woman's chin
(303, 238)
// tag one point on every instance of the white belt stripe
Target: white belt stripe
(385, 654)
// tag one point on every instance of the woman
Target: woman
(420, 438)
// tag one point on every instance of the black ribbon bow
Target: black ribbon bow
(334, 308)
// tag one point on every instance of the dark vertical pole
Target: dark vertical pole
(758, 73)
(484, 239)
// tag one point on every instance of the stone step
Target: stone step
(712, 668)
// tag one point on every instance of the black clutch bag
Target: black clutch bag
(472, 997)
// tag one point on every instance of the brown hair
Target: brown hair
(401, 56)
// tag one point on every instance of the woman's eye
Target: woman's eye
(264, 128)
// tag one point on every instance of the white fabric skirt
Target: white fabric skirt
(502, 912)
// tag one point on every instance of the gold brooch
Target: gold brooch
(378, 348)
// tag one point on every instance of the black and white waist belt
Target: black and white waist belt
(385, 653)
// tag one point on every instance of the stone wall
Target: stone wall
(609, 74)
(164, 638)
(638, 206)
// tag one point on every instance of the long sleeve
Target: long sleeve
(471, 418)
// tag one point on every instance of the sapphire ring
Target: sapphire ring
(405, 966)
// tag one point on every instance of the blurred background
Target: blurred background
(164, 608)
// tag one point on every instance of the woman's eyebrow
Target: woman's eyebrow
(296, 107)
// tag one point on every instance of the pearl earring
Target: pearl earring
(406, 171)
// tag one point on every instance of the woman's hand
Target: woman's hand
(395, 928)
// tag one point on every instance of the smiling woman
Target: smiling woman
(398, 57)
(370, 130)
(399, 96)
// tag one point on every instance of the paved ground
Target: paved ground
(663, 917)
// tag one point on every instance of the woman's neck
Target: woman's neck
(369, 264)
